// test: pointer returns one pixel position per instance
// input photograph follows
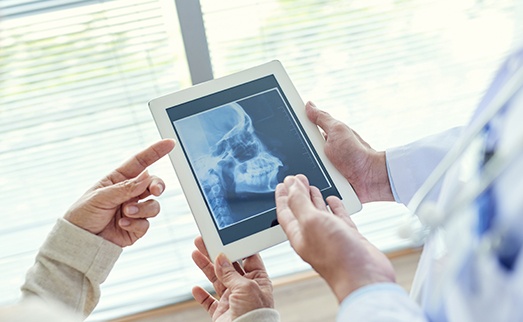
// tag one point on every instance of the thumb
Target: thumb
(321, 118)
(118, 193)
(226, 272)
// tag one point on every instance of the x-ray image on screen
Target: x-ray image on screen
(239, 148)
(230, 161)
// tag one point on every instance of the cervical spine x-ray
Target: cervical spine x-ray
(240, 142)
(230, 161)
(239, 151)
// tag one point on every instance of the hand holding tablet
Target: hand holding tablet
(238, 137)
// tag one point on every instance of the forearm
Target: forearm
(70, 266)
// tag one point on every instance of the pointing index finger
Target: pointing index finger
(139, 162)
(299, 198)
(293, 204)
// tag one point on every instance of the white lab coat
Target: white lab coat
(459, 277)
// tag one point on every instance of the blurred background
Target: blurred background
(76, 76)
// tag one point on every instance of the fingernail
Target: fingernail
(312, 104)
(290, 180)
(223, 261)
(131, 210)
(124, 222)
(160, 188)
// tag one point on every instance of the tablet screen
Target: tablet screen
(240, 143)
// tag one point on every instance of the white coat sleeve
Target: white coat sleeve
(378, 303)
(409, 165)
(69, 268)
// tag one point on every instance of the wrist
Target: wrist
(73, 220)
(76, 220)
(345, 281)
(377, 180)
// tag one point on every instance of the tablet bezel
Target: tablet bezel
(266, 238)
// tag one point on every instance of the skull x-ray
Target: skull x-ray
(229, 159)
(240, 143)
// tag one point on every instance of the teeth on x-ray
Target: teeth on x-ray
(257, 175)
(238, 159)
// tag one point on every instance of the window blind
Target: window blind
(76, 77)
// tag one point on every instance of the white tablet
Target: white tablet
(237, 138)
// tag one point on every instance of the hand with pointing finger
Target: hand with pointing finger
(114, 208)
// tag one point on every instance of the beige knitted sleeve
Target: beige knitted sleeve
(70, 266)
(260, 315)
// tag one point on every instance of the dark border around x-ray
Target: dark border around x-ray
(268, 219)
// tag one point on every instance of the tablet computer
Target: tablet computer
(237, 137)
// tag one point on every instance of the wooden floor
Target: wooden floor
(302, 297)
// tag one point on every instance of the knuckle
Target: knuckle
(153, 207)
(128, 187)
(250, 286)
(323, 114)
(338, 126)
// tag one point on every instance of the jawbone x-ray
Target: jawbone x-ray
(238, 163)
(239, 149)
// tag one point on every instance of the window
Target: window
(76, 77)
